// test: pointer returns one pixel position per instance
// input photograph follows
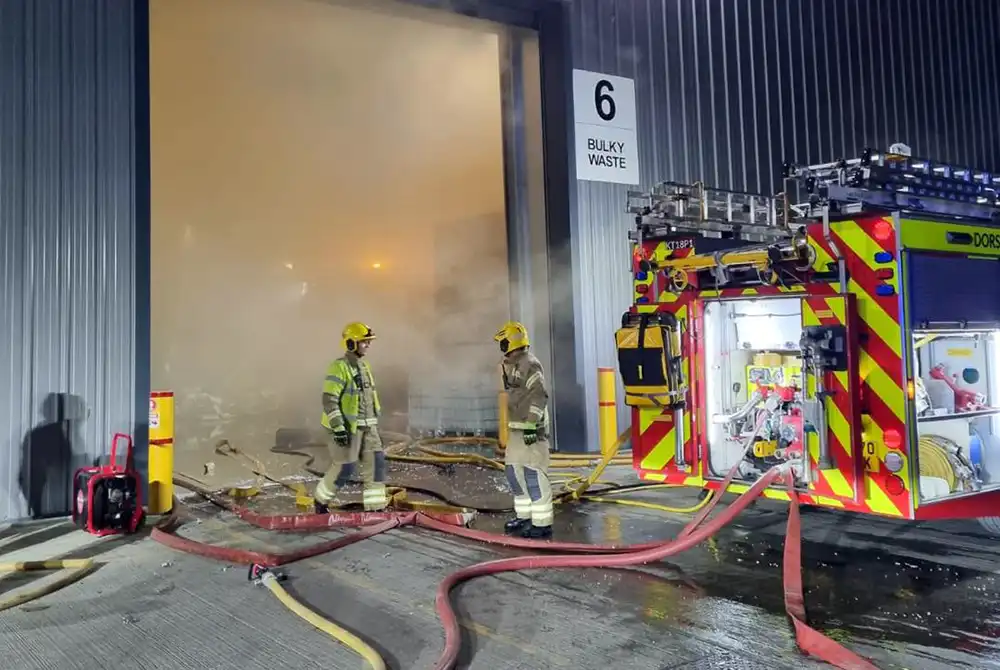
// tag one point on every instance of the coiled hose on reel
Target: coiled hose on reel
(943, 459)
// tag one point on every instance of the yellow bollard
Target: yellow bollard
(161, 451)
(607, 410)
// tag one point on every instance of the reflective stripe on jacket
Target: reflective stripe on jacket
(347, 378)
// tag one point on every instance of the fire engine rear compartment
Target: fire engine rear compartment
(754, 342)
(748, 343)
(955, 344)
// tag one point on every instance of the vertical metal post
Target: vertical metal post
(607, 410)
(524, 173)
(161, 452)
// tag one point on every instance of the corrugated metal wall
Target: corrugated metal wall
(66, 243)
(727, 90)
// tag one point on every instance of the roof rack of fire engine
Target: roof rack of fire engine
(880, 181)
(675, 207)
(896, 181)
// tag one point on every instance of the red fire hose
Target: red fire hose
(810, 640)
(164, 535)
(574, 555)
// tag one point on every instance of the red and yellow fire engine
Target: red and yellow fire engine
(850, 325)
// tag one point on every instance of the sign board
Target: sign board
(154, 414)
(604, 114)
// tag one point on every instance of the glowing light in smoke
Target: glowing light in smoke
(289, 266)
(376, 266)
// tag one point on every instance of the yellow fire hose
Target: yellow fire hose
(76, 568)
(934, 461)
(342, 635)
(575, 488)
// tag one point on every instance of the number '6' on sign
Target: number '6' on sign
(603, 102)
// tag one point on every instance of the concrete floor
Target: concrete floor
(908, 596)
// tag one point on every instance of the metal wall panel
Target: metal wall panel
(728, 90)
(66, 244)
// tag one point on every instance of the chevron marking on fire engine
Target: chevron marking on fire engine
(657, 436)
(823, 258)
(881, 325)
(882, 385)
(865, 247)
(877, 499)
(773, 494)
(653, 476)
(772, 290)
(837, 423)
(880, 363)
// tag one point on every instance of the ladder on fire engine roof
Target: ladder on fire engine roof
(874, 181)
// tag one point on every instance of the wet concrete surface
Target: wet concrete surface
(907, 595)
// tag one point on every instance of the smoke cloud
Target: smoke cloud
(315, 164)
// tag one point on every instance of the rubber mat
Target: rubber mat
(468, 486)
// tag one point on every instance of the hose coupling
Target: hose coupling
(259, 574)
(789, 467)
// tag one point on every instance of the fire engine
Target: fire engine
(849, 324)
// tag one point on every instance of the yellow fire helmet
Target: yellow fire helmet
(512, 336)
(354, 333)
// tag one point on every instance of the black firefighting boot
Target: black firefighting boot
(320, 508)
(534, 532)
(516, 526)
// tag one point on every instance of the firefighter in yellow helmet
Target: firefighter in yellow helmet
(350, 415)
(526, 458)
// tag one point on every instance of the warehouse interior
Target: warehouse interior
(315, 163)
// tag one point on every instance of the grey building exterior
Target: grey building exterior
(725, 92)
(72, 292)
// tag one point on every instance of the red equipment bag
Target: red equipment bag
(107, 499)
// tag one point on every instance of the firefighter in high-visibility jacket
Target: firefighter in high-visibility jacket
(526, 457)
(350, 415)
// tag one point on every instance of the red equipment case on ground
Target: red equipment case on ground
(107, 499)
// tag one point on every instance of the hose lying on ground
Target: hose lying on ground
(163, 532)
(75, 569)
(583, 555)
(340, 634)
(809, 640)
(587, 555)
(575, 486)
(398, 444)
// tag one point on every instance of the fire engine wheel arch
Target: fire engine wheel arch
(991, 524)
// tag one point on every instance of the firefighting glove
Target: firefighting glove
(530, 435)
(340, 436)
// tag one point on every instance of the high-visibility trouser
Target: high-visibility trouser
(527, 469)
(366, 445)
